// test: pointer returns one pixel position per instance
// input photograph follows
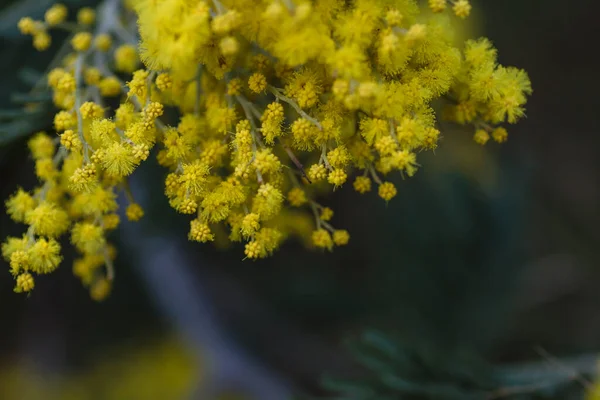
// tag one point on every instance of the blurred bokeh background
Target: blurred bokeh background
(487, 264)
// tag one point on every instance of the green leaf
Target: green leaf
(31, 97)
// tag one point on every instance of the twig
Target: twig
(296, 162)
(571, 372)
(277, 93)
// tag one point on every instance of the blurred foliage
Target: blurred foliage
(159, 370)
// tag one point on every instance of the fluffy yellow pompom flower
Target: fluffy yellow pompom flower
(462, 8)
(242, 105)
(27, 26)
(317, 172)
(18, 205)
(326, 214)
(47, 219)
(297, 197)
(234, 87)
(200, 232)
(64, 120)
(56, 14)
(100, 289)
(337, 177)
(341, 237)
(362, 184)
(91, 110)
(19, 261)
(322, 239)
(118, 160)
(103, 42)
(268, 201)
(481, 136)
(134, 212)
(81, 41)
(437, 6)
(110, 86)
(86, 16)
(193, 177)
(41, 146)
(92, 76)
(88, 238)
(70, 140)
(164, 81)
(500, 135)
(41, 41)
(225, 23)
(257, 82)
(25, 283)
(254, 250)
(44, 169)
(250, 224)
(387, 191)
(126, 58)
(44, 256)
(229, 46)
(12, 244)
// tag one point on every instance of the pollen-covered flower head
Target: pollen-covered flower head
(255, 111)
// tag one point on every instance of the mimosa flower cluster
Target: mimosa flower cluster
(271, 104)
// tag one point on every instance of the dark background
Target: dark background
(490, 252)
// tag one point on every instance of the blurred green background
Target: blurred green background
(486, 255)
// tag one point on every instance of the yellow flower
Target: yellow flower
(326, 214)
(257, 82)
(56, 14)
(100, 289)
(362, 184)
(229, 46)
(317, 172)
(18, 205)
(462, 8)
(41, 146)
(19, 261)
(500, 135)
(481, 136)
(88, 238)
(91, 110)
(41, 41)
(341, 237)
(44, 256)
(86, 16)
(250, 224)
(337, 177)
(200, 232)
(237, 101)
(27, 26)
(110, 86)
(118, 160)
(70, 140)
(47, 219)
(81, 41)
(134, 212)
(126, 58)
(322, 239)
(437, 6)
(25, 283)
(297, 197)
(103, 42)
(267, 202)
(164, 81)
(387, 191)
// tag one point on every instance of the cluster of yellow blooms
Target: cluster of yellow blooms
(278, 100)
